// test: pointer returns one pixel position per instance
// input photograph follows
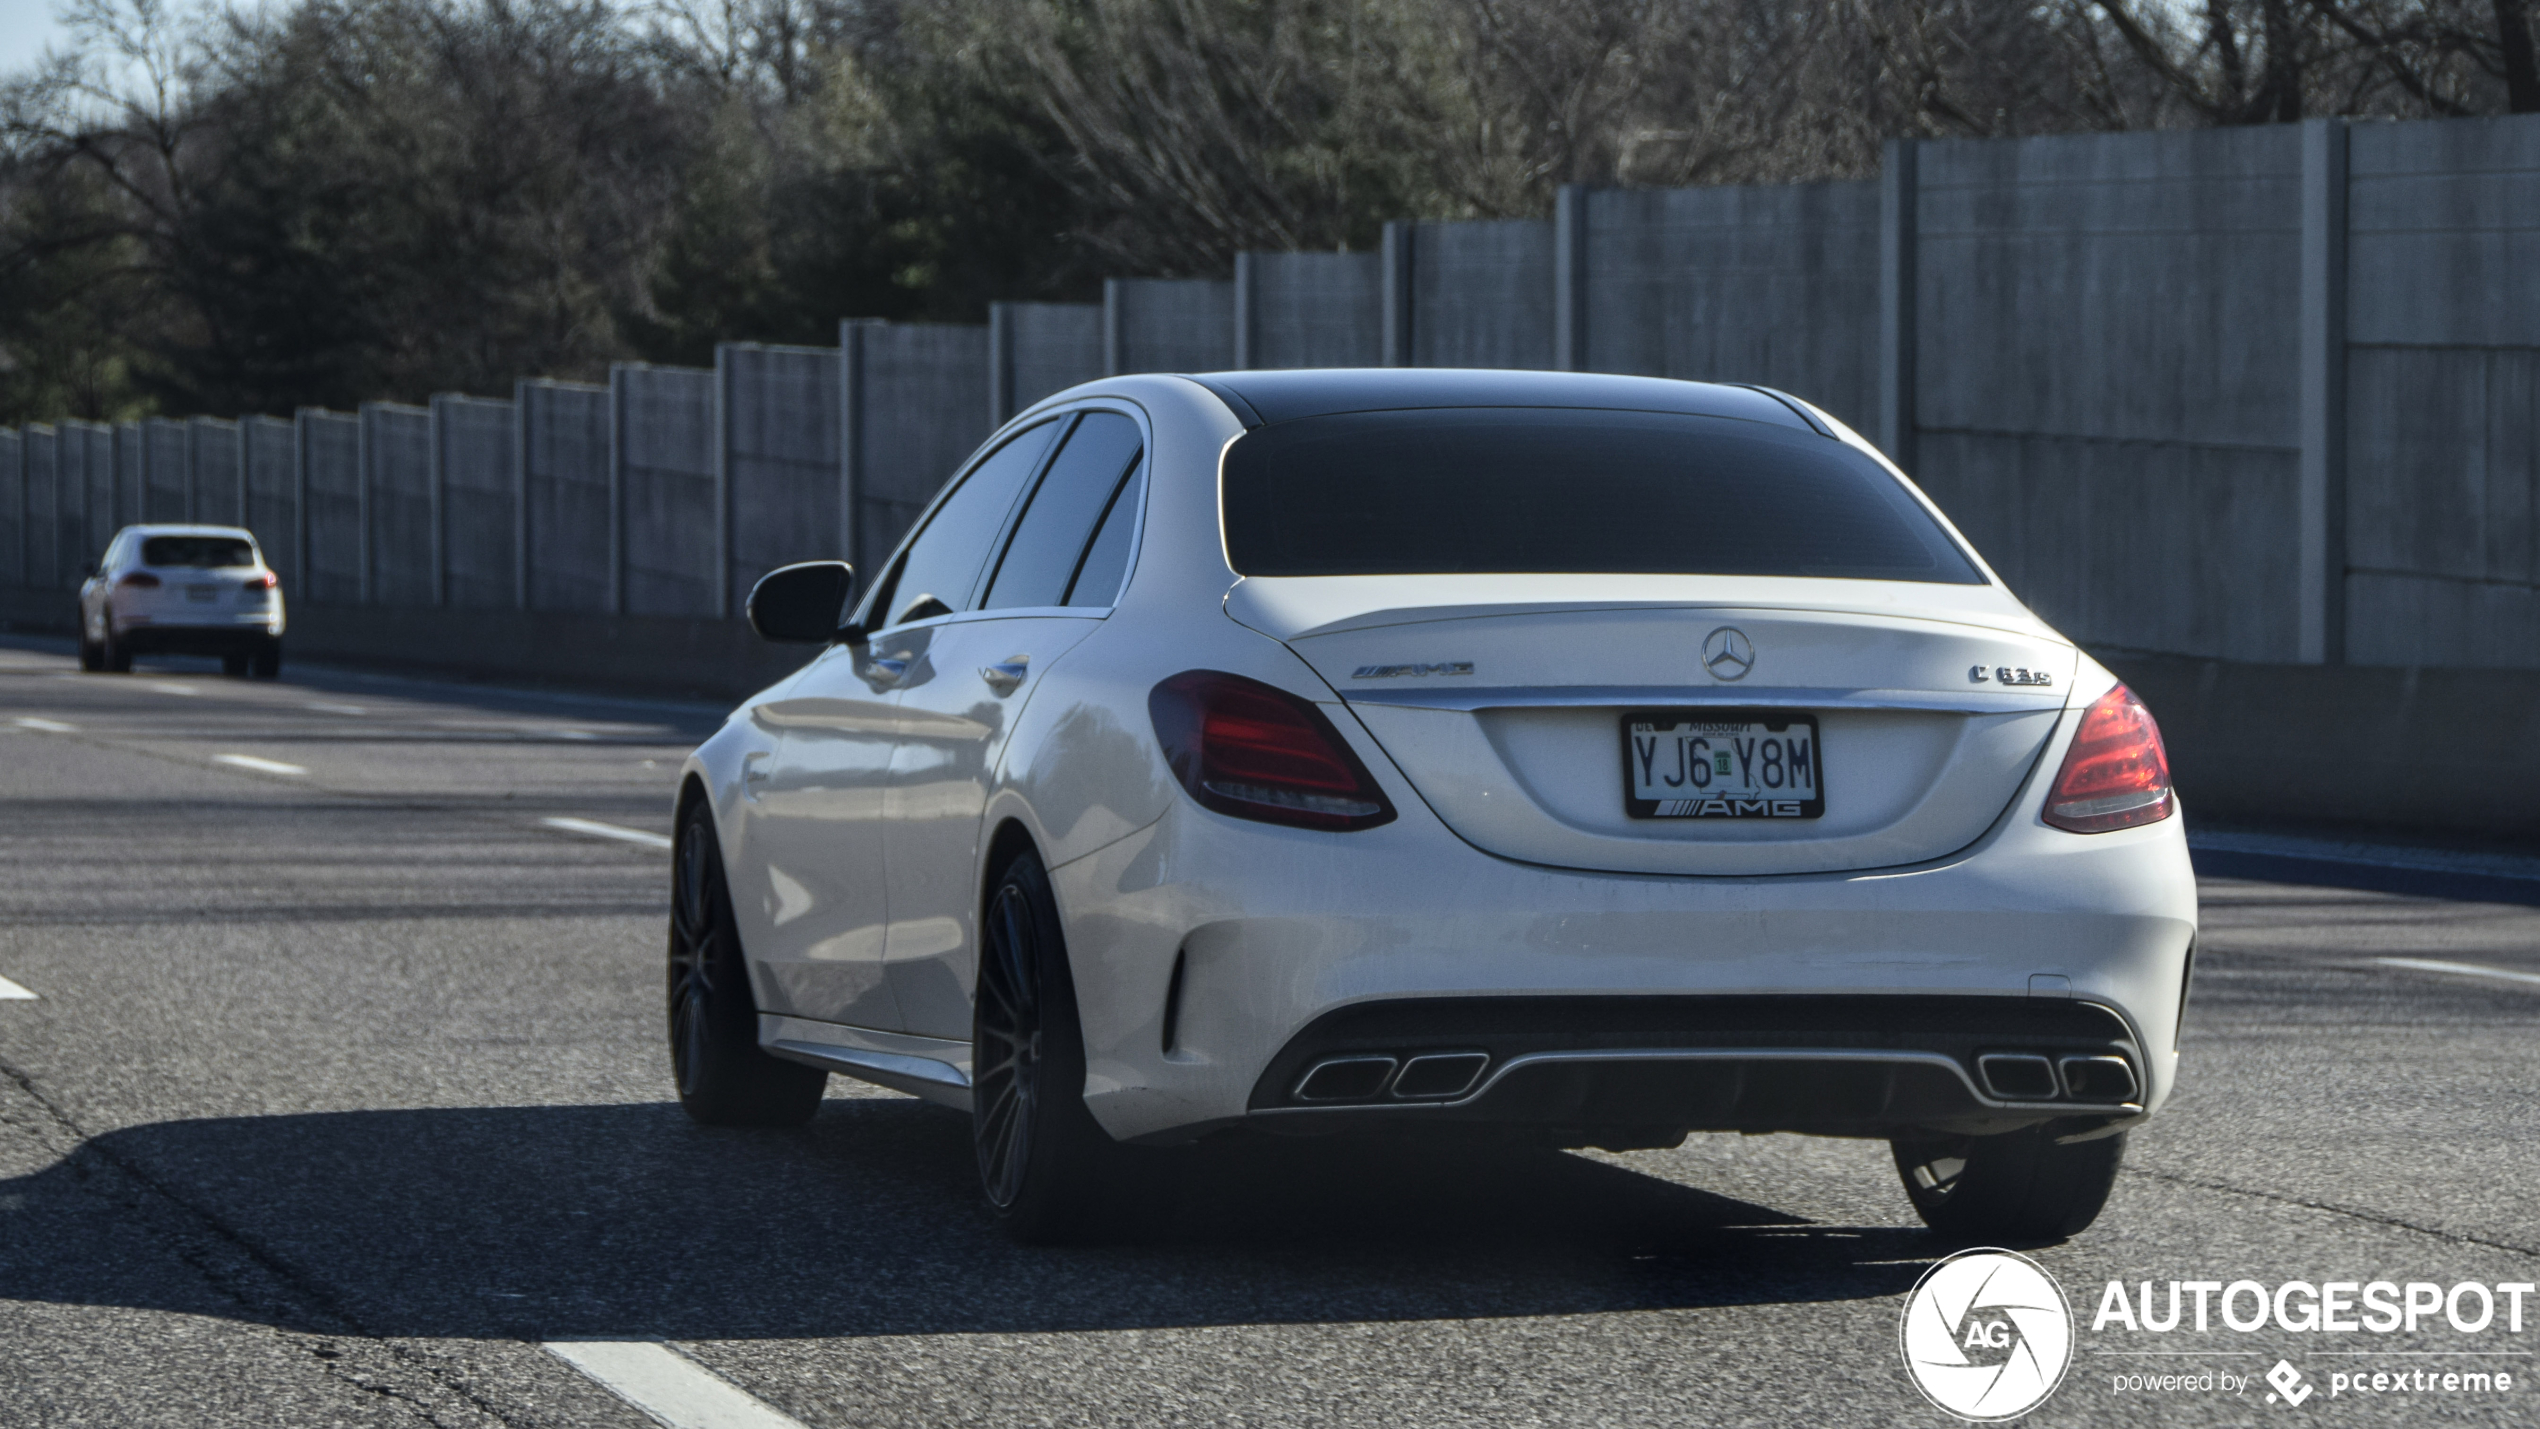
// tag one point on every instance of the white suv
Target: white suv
(189, 590)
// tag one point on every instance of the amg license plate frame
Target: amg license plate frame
(1673, 764)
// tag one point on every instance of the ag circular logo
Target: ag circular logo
(1987, 1335)
(1728, 654)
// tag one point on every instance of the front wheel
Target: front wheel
(1049, 1170)
(2019, 1186)
(723, 1077)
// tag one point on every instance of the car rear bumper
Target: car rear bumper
(1219, 962)
(235, 638)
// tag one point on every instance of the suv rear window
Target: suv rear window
(205, 551)
(1562, 490)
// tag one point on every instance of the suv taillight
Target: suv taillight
(2116, 775)
(1257, 752)
(140, 580)
(261, 581)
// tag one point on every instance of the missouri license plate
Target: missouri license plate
(1723, 764)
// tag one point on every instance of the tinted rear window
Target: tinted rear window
(205, 551)
(1570, 491)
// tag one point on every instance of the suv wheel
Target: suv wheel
(723, 1077)
(1048, 1168)
(2020, 1186)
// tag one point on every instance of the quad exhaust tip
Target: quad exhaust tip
(2032, 1077)
(1429, 1076)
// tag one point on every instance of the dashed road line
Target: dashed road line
(331, 707)
(2437, 965)
(599, 830)
(49, 726)
(673, 1389)
(12, 992)
(261, 766)
(170, 687)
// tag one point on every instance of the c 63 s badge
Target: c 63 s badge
(2008, 675)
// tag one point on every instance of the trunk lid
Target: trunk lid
(1917, 711)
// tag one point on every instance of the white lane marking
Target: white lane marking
(572, 734)
(49, 726)
(330, 707)
(2435, 965)
(673, 1389)
(11, 992)
(261, 766)
(597, 829)
(167, 688)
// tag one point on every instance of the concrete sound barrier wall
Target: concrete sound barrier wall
(1168, 325)
(914, 402)
(88, 469)
(212, 473)
(474, 457)
(272, 479)
(13, 495)
(166, 481)
(1475, 294)
(132, 473)
(1035, 349)
(783, 476)
(1309, 310)
(670, 496)
(333, 534)
(401, 506)
(39, 454)
(569, 507)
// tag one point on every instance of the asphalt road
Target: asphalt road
(341, 1099)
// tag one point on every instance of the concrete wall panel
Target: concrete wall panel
(1313, 309)
(666, 487)
(132, 473)
(87, 457)
(166, 476)
(2136, 546)
(399, 503)
(1169, 324)
(2444, 232)
(564, 442)
(1051, 347)
(13, 561)
(212, 490)
(268, 451)
(780, 457)
(925, 409)
(474, 450)
(330, 445)
(1778, 286)
(2130, 287)
(1482, 294)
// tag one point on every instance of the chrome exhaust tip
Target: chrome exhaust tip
(2098, 1079)
(1344, 1079)
(1439, 1076)
(2018, 1076)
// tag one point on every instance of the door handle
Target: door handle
(1005, 675)
(887, 669)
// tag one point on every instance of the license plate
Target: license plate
(1722, 764)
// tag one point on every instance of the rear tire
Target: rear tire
(92, 657)
(722, 1076)
(268, 661)
(2019, 1186)
(115, 655)
(1051, 1173)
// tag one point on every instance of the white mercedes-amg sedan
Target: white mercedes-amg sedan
(1559, 759)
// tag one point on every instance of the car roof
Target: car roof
(1280, 396)
(180, 529)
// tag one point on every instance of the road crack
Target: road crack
(2331, 1208)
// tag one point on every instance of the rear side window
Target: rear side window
(1050, 542)
(204, 551)
(1565, 491)
(945, 559)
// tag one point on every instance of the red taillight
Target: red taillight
(265, 581)
(2116, 775)
(1257, 752)
(140, 580)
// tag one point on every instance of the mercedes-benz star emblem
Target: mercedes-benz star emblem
(1728, 654)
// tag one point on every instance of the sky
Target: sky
(26, 27)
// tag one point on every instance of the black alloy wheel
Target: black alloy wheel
(2021, 1186)
(1049, 1170)
(722, 1076)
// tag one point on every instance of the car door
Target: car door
(1056, 570)
(818, 802)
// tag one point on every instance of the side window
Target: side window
(944, 561)
(1107, 560)
(1050, 541)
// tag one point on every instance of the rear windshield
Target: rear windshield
(1553, 490)
(197, 551)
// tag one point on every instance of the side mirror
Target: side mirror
(802, 604)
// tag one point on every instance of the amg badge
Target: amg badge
(1389, 672)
